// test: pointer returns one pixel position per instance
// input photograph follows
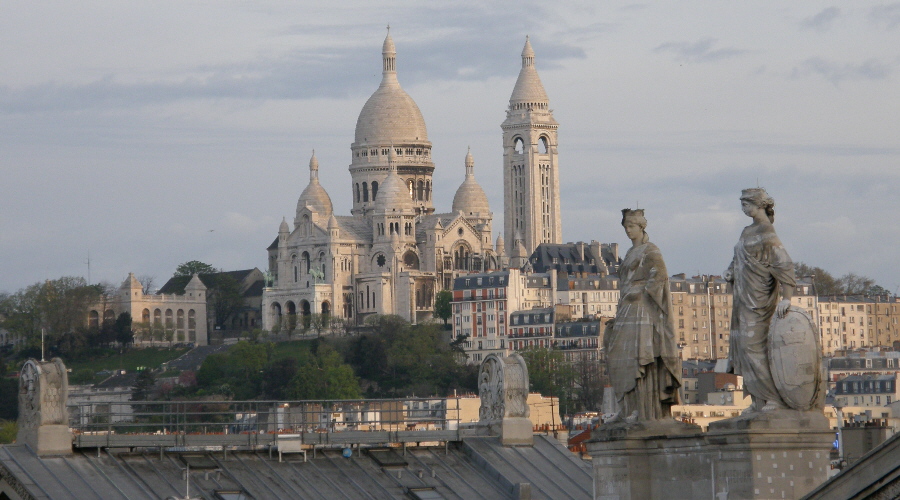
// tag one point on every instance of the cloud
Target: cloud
(870, 69)
(325, 72)
(699, 51)
(886, 15)
(823, 20)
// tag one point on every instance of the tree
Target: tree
(825, 283)
(143, 386)
(124, 335)
(223, 296)
(325, 377)
(854, 284)
(443, 307)
(550, 374)
(57, 306)
(193, 267)
(8, 431)
(146, 283)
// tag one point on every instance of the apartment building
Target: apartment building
(482, 304)
(866, 390)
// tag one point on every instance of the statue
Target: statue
(642, 355)
(773, 345)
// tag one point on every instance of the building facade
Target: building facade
(157, 318)
(530, 167)
(395, 251)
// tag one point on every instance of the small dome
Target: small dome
(284, 228)
(314, 195)
(528, 90)
(501, 245)
(393, 192)
(470, 197)
(390, 116)
(333, 223)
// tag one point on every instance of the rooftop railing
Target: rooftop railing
(254, 424)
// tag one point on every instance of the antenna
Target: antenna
(88, 262)
(42, 345)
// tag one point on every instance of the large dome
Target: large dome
(390, 116)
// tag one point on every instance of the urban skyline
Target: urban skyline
(184, 133)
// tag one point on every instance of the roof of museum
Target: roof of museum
(474, 468)
(176, 284)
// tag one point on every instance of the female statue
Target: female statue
(642, 356)
(760, 267)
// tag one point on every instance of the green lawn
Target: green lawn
(150, 357)
(292, 349)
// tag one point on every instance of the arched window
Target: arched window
(365, 191)
(304, 262)
(374, 189)
(519, 145)
(543, 145)
(412, 191)
(169, 320)
(427, 190)
(411, 260)
(94, 319)
(357, 192)
(157, 317)
(421, 195)
(145, 316)
(192, 325)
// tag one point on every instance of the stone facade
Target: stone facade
(394, 252)
(852, 322)
(530, 166)
(156, 317)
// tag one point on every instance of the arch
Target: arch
(192, 324)
(94, 319)
(304, 262)
(348, 305)
(357, 192)
(410, 184)
(145, 316)
(543, 145)
(374, 189)
(305, 311)
(427, 190)
(179, 325)
(169, 318)
(411, 260)
(379, 260)
(291, 310)
(157, 317)
(109, 317)
(326, 308)
(365, 191)
(462, 253)
(421, 193)
(519, 145)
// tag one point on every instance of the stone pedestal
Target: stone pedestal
(784, 454)
(778, 455)
(646, 460)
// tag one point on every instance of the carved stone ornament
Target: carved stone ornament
(43, 388)
(503, 387)
(795, 360)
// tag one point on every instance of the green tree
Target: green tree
(551, 375)
(223, 296)
(8, 431)
(143, 386)
(193, 267)
(324, 377)
(58, 307)
(124, 335)
(443, 307)
(825, 283)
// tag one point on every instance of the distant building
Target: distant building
(853, 321)
(250, 284)
(579, 340)
(866, 390)
(157, 318)
(863, 362)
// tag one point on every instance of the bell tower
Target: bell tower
(530, 167)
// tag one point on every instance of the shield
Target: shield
(795, 358)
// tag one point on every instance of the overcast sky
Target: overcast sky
(146, 134)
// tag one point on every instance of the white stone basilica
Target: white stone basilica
(394, 252)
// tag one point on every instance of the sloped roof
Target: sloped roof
(474, 468)
(176, 284)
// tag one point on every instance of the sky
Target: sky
(140, 135)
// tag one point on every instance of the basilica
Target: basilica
(395, 251)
